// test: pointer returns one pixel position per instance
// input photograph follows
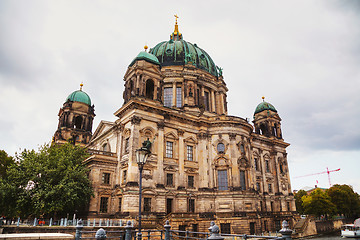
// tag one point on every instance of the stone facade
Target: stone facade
(205, 165)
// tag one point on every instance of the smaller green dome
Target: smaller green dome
(264, 106)
(79, 96)
(147, 57)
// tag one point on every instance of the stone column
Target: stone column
(174, 95)
(136, 85)
(181, 150)
(119, 140)
(209, 158)
(155, 93)
(133, 145)
(160, 165)
(235, 171)
(262, 163)
(277, 172)
(213, 108)
(221, 101)
(201, 158)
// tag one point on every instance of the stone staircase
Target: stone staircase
(301, 225)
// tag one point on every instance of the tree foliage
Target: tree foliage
(318, 203)
(50, 181)
(5, 162)
(344, 198)
(298, 201)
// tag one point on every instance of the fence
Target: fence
(64, 222)
(129, 233)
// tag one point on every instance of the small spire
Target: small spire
(263, 98)
(81, 85)
(176, 35)
(146, 47)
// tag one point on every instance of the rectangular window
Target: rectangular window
(106, 178)
(190, 153)
(191, 205)
(169, 149)
(256, 164)
(288, 206)
(258, 186)
(271, 206)
(168, 95)
(225, 228)
(178, 97)
(169, 180)
(124, 176)
(190, 181)
(270, 188)
(265, 226)
(206, 101)
(222, 179)
(267, 166)
(104, 204)
(147, 204)
(242, 180)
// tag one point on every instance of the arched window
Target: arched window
(242, 149)
(78, 122)
(264, 130)
(131, 88)
(105, 147)
(267, 165)
(150, 89)
(242, 180)
(256, 164)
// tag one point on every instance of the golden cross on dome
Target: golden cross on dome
(81, 85)
(176, 17)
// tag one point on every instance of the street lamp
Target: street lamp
(142, 154)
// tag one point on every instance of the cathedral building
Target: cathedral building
(205, 165)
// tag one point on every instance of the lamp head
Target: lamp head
(143, 153)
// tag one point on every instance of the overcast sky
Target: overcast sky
(303, 56)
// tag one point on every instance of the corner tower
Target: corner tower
(75, 119)
(267, 120)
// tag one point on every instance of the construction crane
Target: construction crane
(327, 171)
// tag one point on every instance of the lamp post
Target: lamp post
(142, 155)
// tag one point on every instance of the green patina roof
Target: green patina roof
(79, 96)
(264, 106)
(180, 52)
(147, 57)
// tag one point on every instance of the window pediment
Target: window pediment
(171, 135)
(221, 162)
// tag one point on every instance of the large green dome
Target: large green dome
(264, 106)
(176, 51)
(79, 96)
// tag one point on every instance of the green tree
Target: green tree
(299, 202)
(49, 182)
(344, 198)
(318, 203)
(5, 162)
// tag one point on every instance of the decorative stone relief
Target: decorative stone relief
(135, 120)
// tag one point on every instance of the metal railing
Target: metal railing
(129, 233)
